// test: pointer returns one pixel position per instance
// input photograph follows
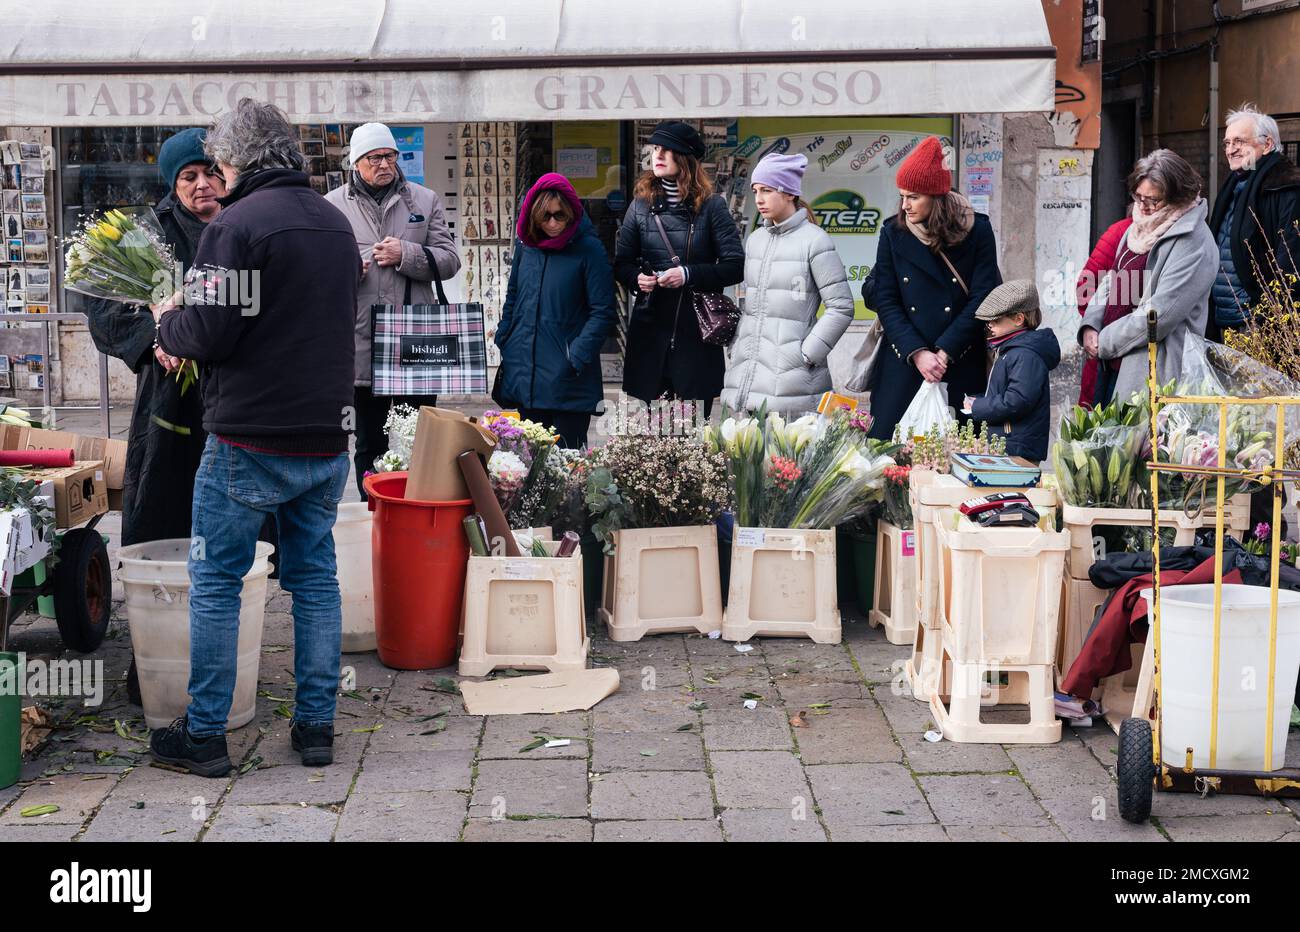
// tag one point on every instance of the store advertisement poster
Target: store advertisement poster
(587, 153)
(410, 151)
(849, 183)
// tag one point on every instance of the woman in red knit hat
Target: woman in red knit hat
(935, 263)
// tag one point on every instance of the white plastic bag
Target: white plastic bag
(928, 409)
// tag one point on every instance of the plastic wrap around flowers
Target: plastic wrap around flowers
(120, 255)
(813, 472)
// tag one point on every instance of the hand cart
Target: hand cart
(1141, 769)
(81, 583)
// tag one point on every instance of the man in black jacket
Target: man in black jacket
(268, 312)
(1256, 214)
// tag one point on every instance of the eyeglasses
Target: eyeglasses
(377, 160)
(1236, 143)
(1150, 203)
(555, 215)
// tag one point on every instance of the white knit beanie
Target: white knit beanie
(367, 138)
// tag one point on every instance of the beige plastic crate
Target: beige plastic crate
(1130, 694)
(1086, 547)
(1000, 593)
(974, 691)
(923, 668)
(662, 580)
(1080, 600)
(894, 597)
(782, 585)
(525, 613)
(931, 494)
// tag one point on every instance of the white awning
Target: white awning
(134, 62)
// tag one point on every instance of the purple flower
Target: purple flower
(1263, 531)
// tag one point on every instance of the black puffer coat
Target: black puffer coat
(663, 342)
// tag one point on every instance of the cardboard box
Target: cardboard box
(112, 453)
(440, 437)
(80, 491)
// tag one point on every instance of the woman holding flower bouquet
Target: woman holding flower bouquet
(559, 309)
(778, 357)
(166, 438)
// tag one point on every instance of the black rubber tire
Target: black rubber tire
(83, 590)
(1136, 771)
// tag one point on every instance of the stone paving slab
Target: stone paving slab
(771, 825)
(659, 830)
(505, 788)
(978, 799)
(507, 735)
(847, 736)
(529, 830)
(273, 823)
(415, 771)
(413, 765)
(867, 794)
(76, 798)
(390, 815)
(1256, 827)
(760, 780)
(951, 757)
(648, 751)
(746, 730)
(652, 795)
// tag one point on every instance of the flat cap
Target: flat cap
(1009, 298)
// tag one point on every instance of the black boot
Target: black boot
(174, 745)
(314, 742)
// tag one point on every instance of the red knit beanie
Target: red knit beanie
(922, 172)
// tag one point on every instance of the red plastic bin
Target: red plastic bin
(419, 557)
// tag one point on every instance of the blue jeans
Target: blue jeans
(234, 490)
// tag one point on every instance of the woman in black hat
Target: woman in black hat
(666, 357)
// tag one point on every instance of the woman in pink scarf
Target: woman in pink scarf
(1167, 260)
(559, 309)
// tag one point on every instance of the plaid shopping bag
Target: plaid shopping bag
(428, 349)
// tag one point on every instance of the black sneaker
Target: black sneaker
(174, 745)
(314, 742)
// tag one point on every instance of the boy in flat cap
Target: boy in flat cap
(1018, 402)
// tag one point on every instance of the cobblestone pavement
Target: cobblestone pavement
(672, 755)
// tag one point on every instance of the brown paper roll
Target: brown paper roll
(485, 503)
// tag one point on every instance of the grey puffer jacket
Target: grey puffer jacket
(791, 268)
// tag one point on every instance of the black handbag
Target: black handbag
(716, 314)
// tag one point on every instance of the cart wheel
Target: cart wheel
(83, 590)
(1136, 770)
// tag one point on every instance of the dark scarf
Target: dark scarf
(378, 195)
(191, 226)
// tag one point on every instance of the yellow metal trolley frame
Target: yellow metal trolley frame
(1140, 764)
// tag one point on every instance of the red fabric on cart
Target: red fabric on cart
(1124, 622)
(41, 458)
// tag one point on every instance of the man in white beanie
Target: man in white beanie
(392, 218)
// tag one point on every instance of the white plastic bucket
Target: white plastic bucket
(1186, 654)
(352, 550)
(157, 586)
